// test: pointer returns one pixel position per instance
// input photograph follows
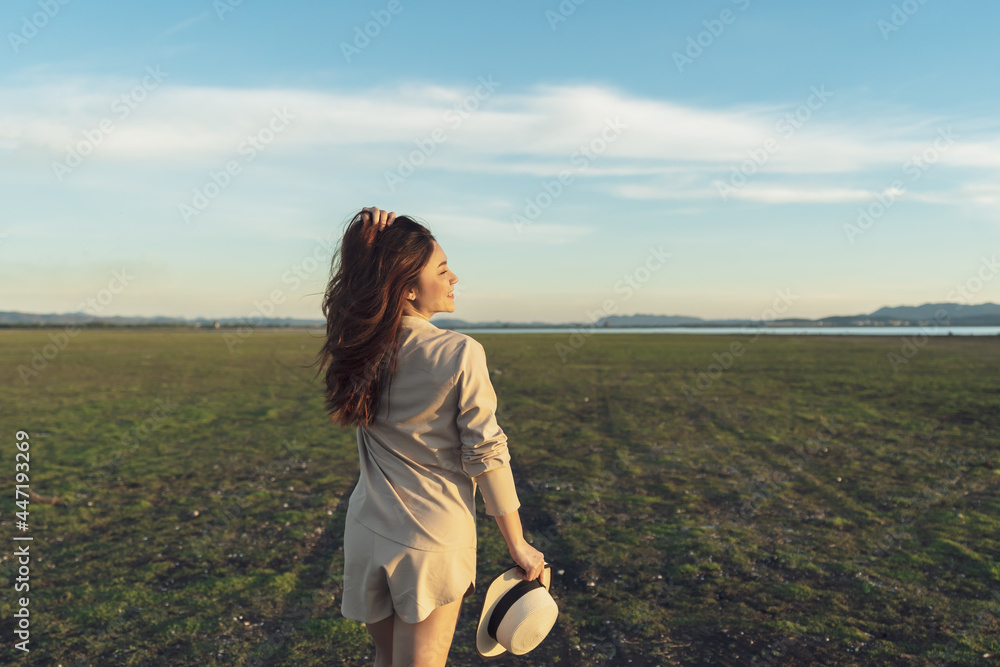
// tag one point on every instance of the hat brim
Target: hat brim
(486, 646)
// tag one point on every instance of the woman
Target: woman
(424, 409)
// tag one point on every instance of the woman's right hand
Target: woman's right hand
(530, 560)
(381, 219)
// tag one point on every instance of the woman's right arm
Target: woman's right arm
(500, 496)
(530, 559)
(485, 457)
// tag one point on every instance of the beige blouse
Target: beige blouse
(434, 440)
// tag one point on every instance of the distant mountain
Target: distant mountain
(929, 311)
(928, 314)
(649, 320)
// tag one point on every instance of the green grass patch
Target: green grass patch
(810, 506)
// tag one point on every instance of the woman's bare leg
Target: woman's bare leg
(381, 632)
(425, 644)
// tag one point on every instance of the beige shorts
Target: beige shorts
(382, 577)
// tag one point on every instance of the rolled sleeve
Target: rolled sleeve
(499, 494)
(484, 444)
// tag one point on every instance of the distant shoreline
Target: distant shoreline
(971, 330)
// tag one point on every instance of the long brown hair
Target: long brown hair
(370, 274)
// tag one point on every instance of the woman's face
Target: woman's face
(435, 291)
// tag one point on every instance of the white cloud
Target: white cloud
(478, 228)
(777, 195)
(667, 150)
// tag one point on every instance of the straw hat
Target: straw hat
(517, 614)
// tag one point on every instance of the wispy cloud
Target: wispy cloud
(183, 25)
(464, 226)
(777, 195)
(665, 150)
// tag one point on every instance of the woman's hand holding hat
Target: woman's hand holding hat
(516, 615)
(530, 560)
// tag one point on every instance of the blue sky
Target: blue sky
(200, 158)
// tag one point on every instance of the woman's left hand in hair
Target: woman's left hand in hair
(381, 219)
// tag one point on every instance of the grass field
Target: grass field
(806, 505)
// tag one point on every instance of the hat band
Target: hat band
(507, 601)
